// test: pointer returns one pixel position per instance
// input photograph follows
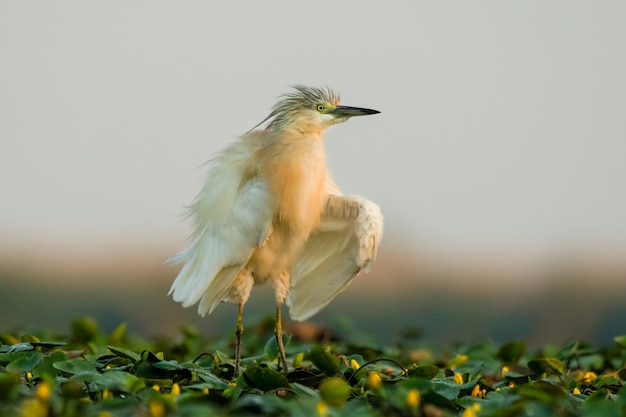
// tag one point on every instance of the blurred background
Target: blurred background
(499, 158)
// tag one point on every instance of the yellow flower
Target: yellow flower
(175, 389)
(477, 392)
(37, 407)
(297, 359)
(505, 370)
(456, 361)
(156, 408)
(355, 365)
(458, 378)
(413, 398)
(511, 385)
(43, 392)
(589, 377)
(322, 408)
(468, 412)
(34, 408)
(576, 391)
(205, 391)
(106, 394)
(471, 411)
(374, 380)
(156, 388)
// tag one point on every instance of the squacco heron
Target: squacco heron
(270, 212)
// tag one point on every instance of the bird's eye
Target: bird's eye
(320, 107)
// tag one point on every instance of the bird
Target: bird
(270, 212)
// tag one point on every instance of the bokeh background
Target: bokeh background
(499, 158)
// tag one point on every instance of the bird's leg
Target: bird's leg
(279, 336)
(238, 334)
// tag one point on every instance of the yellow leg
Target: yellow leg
(279, 337)
(238, 334)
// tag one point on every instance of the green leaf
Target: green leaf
(26, 363)
(448, 388)
(467, 401)
(46, 369)
(541, 391)
(265, 378)
(9, 386)
(150, 367)
(424, 372)
(550, 366)
(125, 353)
(307, 377)
(606, 381)
(601, 409)
(118, 335)
(594, 361)
(210, 378)
(48, 345)
(148, 356)
(173, 366)
(510, 353)
(435, 398)
(208, 383)
(9, 357)
(147, 370)
(599, 395)
(304, 390)
(233, 393)
(335, 391)
(324, 361)
(84, 330)
(22, 347)
(74, 366)
(620, 340)
(74, 389)
(271, 346)
(620, 398)
(29, 338)
(118, 381)
(221, 357)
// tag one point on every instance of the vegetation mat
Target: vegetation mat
(88, 373)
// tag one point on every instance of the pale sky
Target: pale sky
(503, 123)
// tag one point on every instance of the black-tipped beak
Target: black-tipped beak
(347, 111)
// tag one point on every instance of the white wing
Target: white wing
(232, 216)
(345, 244)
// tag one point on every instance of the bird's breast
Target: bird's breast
(296, 177)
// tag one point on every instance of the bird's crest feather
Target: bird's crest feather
(303, 98)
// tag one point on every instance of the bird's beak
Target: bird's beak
(347, 111)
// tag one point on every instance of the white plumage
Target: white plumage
(343, 246)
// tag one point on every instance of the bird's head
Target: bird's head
(311, 109)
